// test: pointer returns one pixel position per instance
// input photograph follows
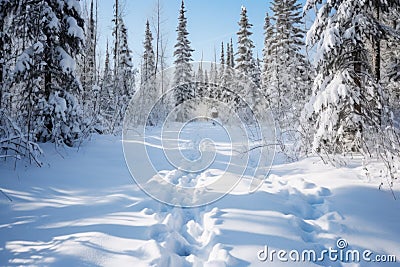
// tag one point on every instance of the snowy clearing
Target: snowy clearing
(83, 208)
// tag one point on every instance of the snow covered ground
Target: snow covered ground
(83, 209)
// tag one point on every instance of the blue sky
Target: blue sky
(209, 23)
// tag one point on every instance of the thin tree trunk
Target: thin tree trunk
(377, 48)
(92, 49)
(116, 39)
(157, 37)
(2, 59)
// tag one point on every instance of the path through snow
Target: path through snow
(84, 209)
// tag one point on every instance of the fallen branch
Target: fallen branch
(5, 195)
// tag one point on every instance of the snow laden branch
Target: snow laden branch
(15, 144)
(349, 110)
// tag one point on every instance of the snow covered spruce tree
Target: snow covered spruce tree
(200, 86)
(244, 56)
(391, 63)
(231, 63)
(148, 66)
(222, 79)
(91, 95)
(268, 67)
(15, 142)
(6, 15)
(228, 77)
(107, 92)
(286, 69)
(246, 68)
(183, 71)
(126, 73)
(123, 71)
(51, 35)
(255, 77)
(347, 112)
(148, 72)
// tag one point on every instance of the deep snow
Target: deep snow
(83, 209)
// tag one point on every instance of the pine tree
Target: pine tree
(244, 61)
(91, 98)
(228, 78)
(206, 80)
(107, 103)
(123, 71)
(391, 62)
(51, 34)
(222, 60)
(245, 45)
(89, 63)
(6, 14)
(222, 81)
(148, 86)
(232, 61)
(206, 87)
(200, 80)
(255, 95)
(106, 83)
(125, 64)
(286, 69)
(347, 111)
(214, 72)
(116, 32)
(16, 141)
(268, 59)
(256, 73)
(228, 54)
(183, 70)
(148, 66)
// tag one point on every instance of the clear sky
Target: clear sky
(209, 23)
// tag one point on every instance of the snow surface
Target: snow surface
(83, 209)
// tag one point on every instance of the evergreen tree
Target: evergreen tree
(106, 83)
(16, 139)
(206, 87)
(89, 58)
(232, 61)
(347, 111)
(391, 62)
(222, 79)
(228, 78)
(222, 60)
(91, 98)
(200, 86)
(245, 45)
(123, 71)
(51, 34)
(6, 10)
(125, 64)
(148, 87)
(268, 59)
(256, 73)
(228, 54)
(244, 60)
(206, 80)
(107, 98)
(286, 69)
(148, 56)
(183, 70)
